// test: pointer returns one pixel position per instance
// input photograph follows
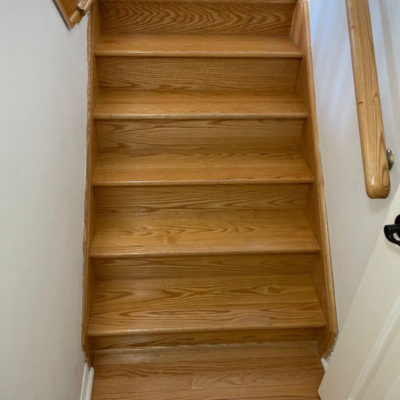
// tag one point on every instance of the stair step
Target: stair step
(199, 266)
(252, 372)
(205, 74)
(168, 151)
(184, 232)
(204, 304)
(178, 45)
(157, 136)
(197, 17)
(120, 104)
(126, 169)
(150, 199)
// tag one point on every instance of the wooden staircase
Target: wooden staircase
(207, 261)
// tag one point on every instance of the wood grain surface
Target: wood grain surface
(292, 371)
(120, 104)
(160, 136)
(196, 17)
(107, 344)
(208, 254)
(169, 74)
(198, 266)
(202, 232)
(149, 199)
(372, 135)
(170, 169)
(190, 45)
(207, 303)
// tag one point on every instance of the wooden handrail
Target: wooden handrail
(376, 169)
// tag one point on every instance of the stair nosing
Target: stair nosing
(141, 331)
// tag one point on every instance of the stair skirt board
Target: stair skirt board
(87, 382)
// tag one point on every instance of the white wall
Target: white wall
(354, 220)
(42, 163)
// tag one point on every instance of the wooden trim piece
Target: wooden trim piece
(322, 276)
(89, 273)
(372, 136)
(72, 11)
(69, 12)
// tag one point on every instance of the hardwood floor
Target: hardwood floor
(193, 45)
(284, 371)
(207, 272)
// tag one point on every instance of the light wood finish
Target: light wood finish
(116, 343)
(144, 200)
(199, 266)
(169, 136)
(89, 211)
(206, 225)
(322, 276)
(178, 45)
(293, 371)
(127, 169)
(202, 232)
(372, 135)
(201, 304)
(211, 75)
(120, 104)
(69, 11)
(197, 17)
(200, 151)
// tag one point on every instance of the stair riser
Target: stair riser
(192, 17)
(199, 136)
(150, 199)
(202, 338)
(198, 74)
(200, 266)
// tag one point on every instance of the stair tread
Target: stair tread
(251, 372)
(202, 232)
(130, 169)
(196, 45)
(205, 303)
(150, 104)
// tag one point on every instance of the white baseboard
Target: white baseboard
(87, 383)
(324, 363)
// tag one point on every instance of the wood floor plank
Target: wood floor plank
(199, 136)
(208, 303)
(270, 371)
(179, 45)
(118, 104)
(127, 169)
(202, 232)
(118, 343)
(147, 199)
(197, 17)
(205, 74)
(196, 266)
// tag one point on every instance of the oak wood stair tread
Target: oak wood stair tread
(202, 232)
(205, 17)
(205, 304)
(251, 372)
(113, 169)
(120, 104)
(181, 45)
